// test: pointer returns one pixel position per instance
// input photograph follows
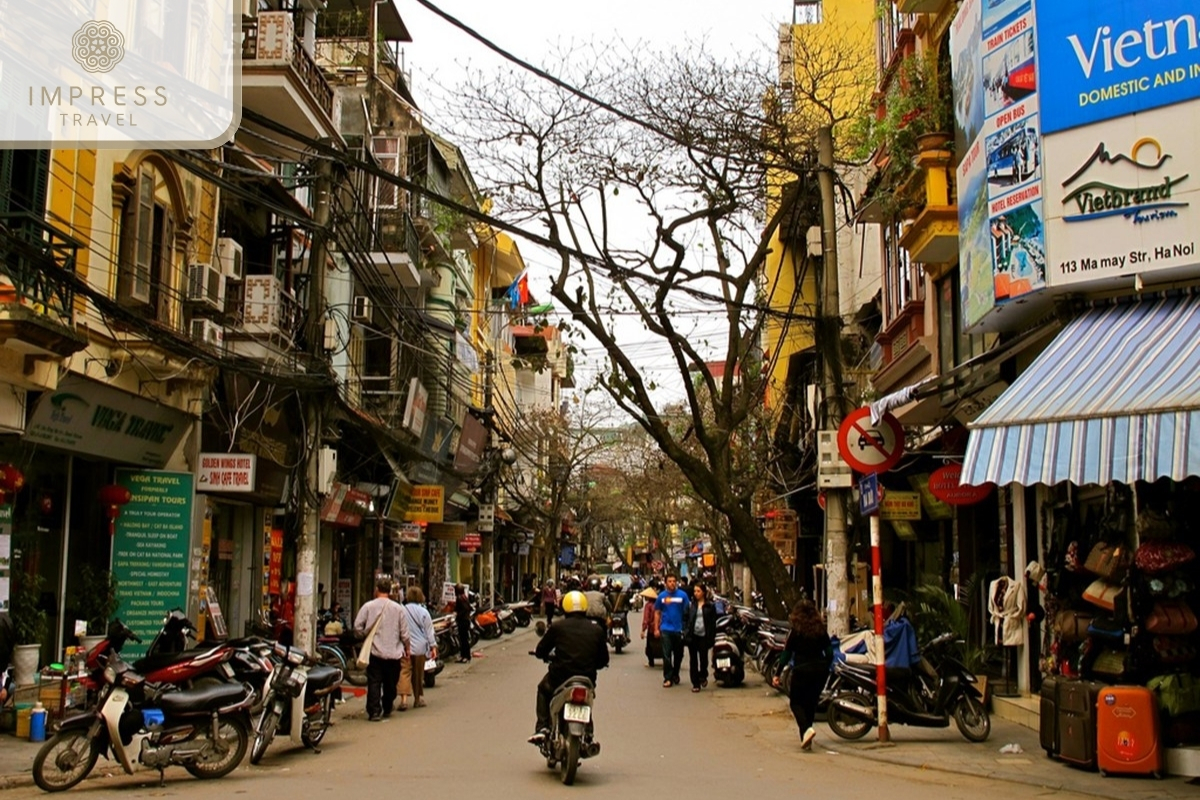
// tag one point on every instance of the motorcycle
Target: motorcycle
(203, 730)
(570, 737)
(486, 623)
(618, 630)
(936, 689)
(295, 675)
(728, 666)
(504, 616)
(522, 613)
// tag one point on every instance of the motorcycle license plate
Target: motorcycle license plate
(722, 663)
(574, 713)
(619, 631)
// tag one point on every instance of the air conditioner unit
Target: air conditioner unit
(207, 332)
(206, 286)
(229, 256)
(360, 311)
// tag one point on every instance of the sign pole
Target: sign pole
(880, 654)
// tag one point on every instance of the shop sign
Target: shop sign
(1124, 197)
(470, 543)
(344, 593)
(345, 506)
(400, 498)
(427, 503)
(446, 531)
(935, 509)
(226, 472)
(900, 505)
(522, 549)
(1113, 59)
(409, 533)
(150, 548)
(945, 486)
(87, 417)
(224, 549)
(471, 443)
(414, 408)
(275, 562)
(448, 595)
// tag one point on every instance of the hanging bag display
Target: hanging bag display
(1072, 626)
(1103, 594)
(1173, 617)
(1158, 556)
(1108, 561)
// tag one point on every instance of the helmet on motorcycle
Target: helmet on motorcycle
(574, 603)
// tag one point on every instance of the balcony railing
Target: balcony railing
(397, 234)
(270, 40)
(31, 250)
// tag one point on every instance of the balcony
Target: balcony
(37, 300)
(932, 237)
(399, 258)
(269, 315)
(281, 80)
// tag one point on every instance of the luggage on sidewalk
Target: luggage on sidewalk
(1127, 732)
(1077, 722)
(1048, 714)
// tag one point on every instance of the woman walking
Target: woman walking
(549, 601)
(653, 641)
(811, 652)
(699, 634)
(462, 617)
(422, 645)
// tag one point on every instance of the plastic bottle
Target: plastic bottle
(37, 723)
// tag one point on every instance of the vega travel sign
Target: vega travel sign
(1105, 60)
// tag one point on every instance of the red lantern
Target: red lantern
(113, 497)
(11, 481)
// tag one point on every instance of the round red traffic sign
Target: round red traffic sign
(944, 485)
(868, 447)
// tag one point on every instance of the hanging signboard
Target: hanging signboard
(426, 504)
(409, 533)
(900, 505)
(150, 547)
(944, 484)
(226, 472)
(470, 543)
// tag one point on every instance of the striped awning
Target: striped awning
(1115, 397)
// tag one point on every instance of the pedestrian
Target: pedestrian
(8, 641)
(811, 653)
(669, 611)
(389, 644)
(653, 641)
(549, 601)
(462, 618)
(699, 635)
(422, 646)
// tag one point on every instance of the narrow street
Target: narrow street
(470, 741)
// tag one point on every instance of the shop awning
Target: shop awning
(1115, 397)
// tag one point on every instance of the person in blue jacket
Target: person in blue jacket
(670, 610)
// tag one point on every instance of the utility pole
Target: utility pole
(837, 611)
(314, 421)
(491, 465)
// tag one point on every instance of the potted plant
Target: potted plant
(29, 624)
(96, 601)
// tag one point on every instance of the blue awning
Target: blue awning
(1115, 397)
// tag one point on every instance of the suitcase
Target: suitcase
(1048, 715)
(1127, 738)
(1077, 722)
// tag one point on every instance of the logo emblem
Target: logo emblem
(1104, 194)
(98, 46)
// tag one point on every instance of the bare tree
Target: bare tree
(655, 202)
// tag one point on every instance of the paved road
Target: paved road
(470, 742)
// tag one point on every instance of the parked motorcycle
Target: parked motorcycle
(571, 731)
(203, 730)
(504, 616)
(487, 623)
(296, 674)
(522, 613)
(728, 667)
(618, 630)
(935, 690)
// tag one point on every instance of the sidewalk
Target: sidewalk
(944, 749)
(16, 755)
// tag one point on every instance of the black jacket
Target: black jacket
(810, 655)
(574, 646)
(710, 624)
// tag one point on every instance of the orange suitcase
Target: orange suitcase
(1127, 739)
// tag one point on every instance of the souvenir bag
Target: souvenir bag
(1107, 629)
(1173, 617)
(1178, 693)
(1103, 594)
(1111, 663)
(1158, 556)
(1108, 561)
(364, 650)
(1072, 626)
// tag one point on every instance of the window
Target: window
(954, 345)
(903, 281)
(147, 255)
(387, 153)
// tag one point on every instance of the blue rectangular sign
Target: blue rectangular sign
(1097, 61)
(868, 495)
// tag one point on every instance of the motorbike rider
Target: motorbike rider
(597, 603)
(573, 646)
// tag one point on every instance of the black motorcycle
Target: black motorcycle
(296, 674)
(618, 630)
(939, 688)
(728, 667)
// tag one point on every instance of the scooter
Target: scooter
(728, 666)
(504, 616)
(929, 696)
(487, 623)
(202, 730)
(522, 613)
(618, 630)
(295, 675)
(571, 731)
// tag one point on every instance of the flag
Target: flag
(518, 291)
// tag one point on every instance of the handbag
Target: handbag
(364, 650)
(1072, 626)
(1103, 594)
(1173, 650)
(1111, 663)
(1172, 617)
(1158, 556)
(1108, 561)
(1107, 629)
(1177, 693)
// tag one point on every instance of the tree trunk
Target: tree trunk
(779, 591)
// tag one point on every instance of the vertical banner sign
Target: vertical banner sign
(5, 555)
(275, 563)
(267, 525)
(150, 550)
(1002, 241)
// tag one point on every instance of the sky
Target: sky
(531, 29)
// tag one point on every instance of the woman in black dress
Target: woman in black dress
(811, 652)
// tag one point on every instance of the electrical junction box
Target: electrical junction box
(326, 469)
(832, 470)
